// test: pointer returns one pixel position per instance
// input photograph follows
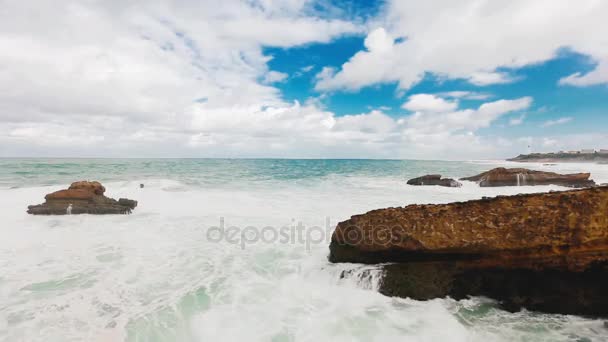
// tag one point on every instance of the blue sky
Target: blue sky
(587, 106)
(438, 79)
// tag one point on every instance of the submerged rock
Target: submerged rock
(82, 198)
(546, 252)
(434, 180)
(520, 177)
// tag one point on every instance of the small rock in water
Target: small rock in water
(141, 186)
(434, 180)
(82, 198)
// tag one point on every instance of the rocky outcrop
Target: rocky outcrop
(520, 177)
(82, 198)
(434, 180)
(546, 252)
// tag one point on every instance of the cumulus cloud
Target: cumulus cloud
(373, 122)
(275, 76)
(598, 76)
(430, 132)
(128, 72)
(190, 78)
(429, 103)
(481, 41)
(431, 121)
(144, 60)
(366, 67)
(487, 78)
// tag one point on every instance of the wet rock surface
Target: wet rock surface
(546, 252)
(82, 197)
(434, 180)
(524, 177)
(547, 290)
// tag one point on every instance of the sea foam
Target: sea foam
(155, 276)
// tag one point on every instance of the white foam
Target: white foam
(153, 275)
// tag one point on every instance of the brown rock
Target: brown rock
(82, 198)
(434, 180)
(94, 187)
(70, 195)
(520, 177)
(546, 252)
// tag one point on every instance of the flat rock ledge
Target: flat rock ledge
(434, 180)
(519, 177)
(546, 252)
(82, 197)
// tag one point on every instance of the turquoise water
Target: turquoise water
(156, 275)
(27, 172)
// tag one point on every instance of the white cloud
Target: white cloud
(303, 70)
(274, 77)
(129, 72)
(364, 68)
(429, 103)
(466, 95)
(307, 68)
(378, 41)
(598, 76)
(373, 122)
(308, 131)
(476, 40)
(430, 122)
(191, 79)
(489, 78)
(272, 131)
(559, 121)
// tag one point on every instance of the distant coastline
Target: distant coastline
(600, 157)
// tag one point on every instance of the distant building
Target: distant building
(604, 151)
(587, 151)
(573, 152)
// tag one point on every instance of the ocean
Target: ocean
(169, 271)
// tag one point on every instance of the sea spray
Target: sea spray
(153, 275)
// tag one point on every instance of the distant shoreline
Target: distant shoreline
(599, 158)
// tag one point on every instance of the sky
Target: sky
(399, 79)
